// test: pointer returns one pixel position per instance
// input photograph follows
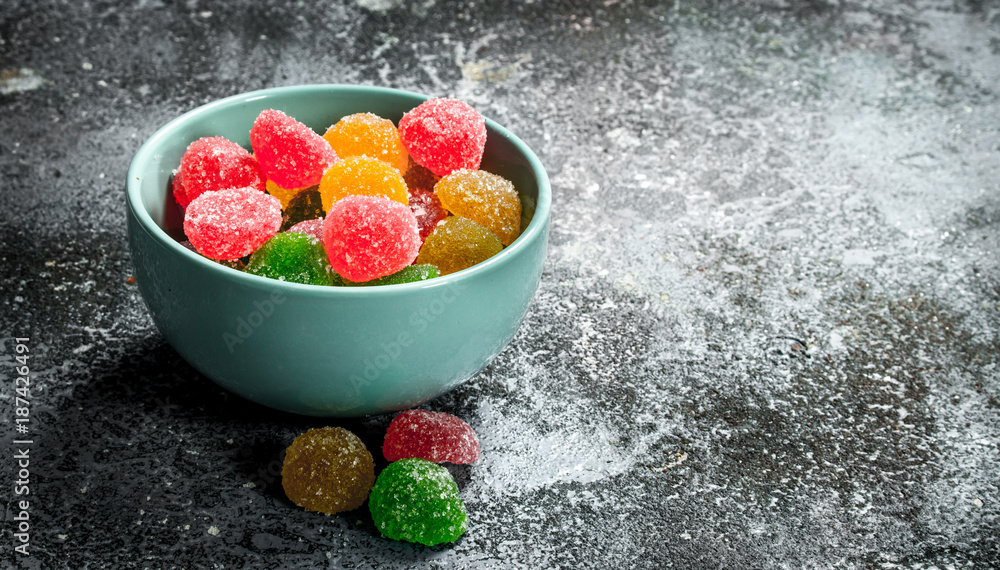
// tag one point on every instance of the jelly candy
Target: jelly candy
(457, 243)
(434, 436)
(444, 135)
(311, 227)
(283, 194)
(369, 135)
(177, 189)
(292, 154)
(217, 163)
(327, 470)
(360, 175)
(417, 501)
(307, 205)
(408, 274)
(229, 224)
(484, 198)
(428, 209)
(419, 178)
(294, 257)
(367, 237)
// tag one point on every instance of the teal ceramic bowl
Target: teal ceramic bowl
(328, 351)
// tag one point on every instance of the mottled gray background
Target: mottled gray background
(766, 335)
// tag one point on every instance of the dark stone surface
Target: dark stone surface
(766, 336)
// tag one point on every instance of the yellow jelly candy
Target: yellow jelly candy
(328, 470)
(484, 198)
(283, 194)
(457, 243)
(369, 135)
(360, 175)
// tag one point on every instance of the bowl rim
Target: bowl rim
(147, 152)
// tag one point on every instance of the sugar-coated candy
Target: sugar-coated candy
(444, 135)
(434, 436)
(417, 501)
(367, 237)
(292, 154)
(367, 134)
(177, 189)
(484, 198)
(408, 274)
(457, 243)
(217, 163)
(364, 176)
(229, 224)
(283, 194)
(427, 208)
(327, 470)
(307, 205)
(311, 227)
(419, 178)
(294, 257)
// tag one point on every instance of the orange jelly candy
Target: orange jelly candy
(360, 175)
(457, 243)
(484, 198)
(369, 135)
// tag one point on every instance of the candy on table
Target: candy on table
(230, 224)
(369, 135)
(327, 470)
(361, 175)
(484, 198)
(294, 257)
(444, 135)
(408, 274)
(457, 243)
(367, 237)
(311, 227)
(307, 205)
(283, 194)
(427, 208)
(419, 178)
(417, 501)
(434, 436)
(292, 154)
(216, 163)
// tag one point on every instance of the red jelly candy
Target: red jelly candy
(229, 224)
(428, 209)
(444, 135)
(311, 227)
(367, 237)
(177, 186)
(292, 154)
(434, 436)
(216, 163)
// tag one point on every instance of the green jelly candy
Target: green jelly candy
(408, 274)
(417, 501)
(306, 205)
(295, 257)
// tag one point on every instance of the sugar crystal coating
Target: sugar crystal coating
(408, 274)
(364, 176)
(417, 501)
(367, 134)
(294, 257)
(292, 154)
(327, 470)
(367, 237)
(217, 163)
(484, 198)
(444, 135)
(434, 436)
(427, 208)
(177, 189)
(458, 243)
(311, 227)
(229, 224)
